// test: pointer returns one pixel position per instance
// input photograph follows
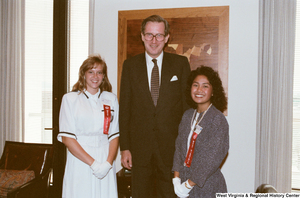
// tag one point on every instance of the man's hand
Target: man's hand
(126, 159)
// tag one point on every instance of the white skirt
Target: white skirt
(79, 180)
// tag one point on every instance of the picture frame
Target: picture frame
(199, 33)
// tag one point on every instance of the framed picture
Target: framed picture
(201, 34)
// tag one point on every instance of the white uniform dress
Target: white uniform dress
(82, 118)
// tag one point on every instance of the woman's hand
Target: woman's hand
(182, 190)
(177, 188)
(100, 170)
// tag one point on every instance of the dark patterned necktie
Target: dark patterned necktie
(155, 82)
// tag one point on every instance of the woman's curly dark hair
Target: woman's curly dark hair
(218, 99)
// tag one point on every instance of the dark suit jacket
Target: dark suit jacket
(142, 125)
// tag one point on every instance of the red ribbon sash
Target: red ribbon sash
(107, 118)
(189, 156)
(190, 153)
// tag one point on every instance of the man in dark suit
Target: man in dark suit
(152, 101)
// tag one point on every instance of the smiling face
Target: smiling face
(154, 47)
(93, 78)
(201, 92)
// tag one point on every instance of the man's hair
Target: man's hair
(158, 19)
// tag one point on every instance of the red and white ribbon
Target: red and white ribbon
(190, 153)
(107, 118)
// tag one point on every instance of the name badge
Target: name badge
(198, 129)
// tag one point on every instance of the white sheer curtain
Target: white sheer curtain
(11, 60)
(91, 26)
(275, 93)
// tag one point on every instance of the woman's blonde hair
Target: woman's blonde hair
(91, 62)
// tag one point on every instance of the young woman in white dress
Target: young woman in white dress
(89, 127)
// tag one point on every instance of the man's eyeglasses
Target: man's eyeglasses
(149, 37)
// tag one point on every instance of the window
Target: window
(39, 65)
(79, 37)
(296, 107)
(38, 70)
